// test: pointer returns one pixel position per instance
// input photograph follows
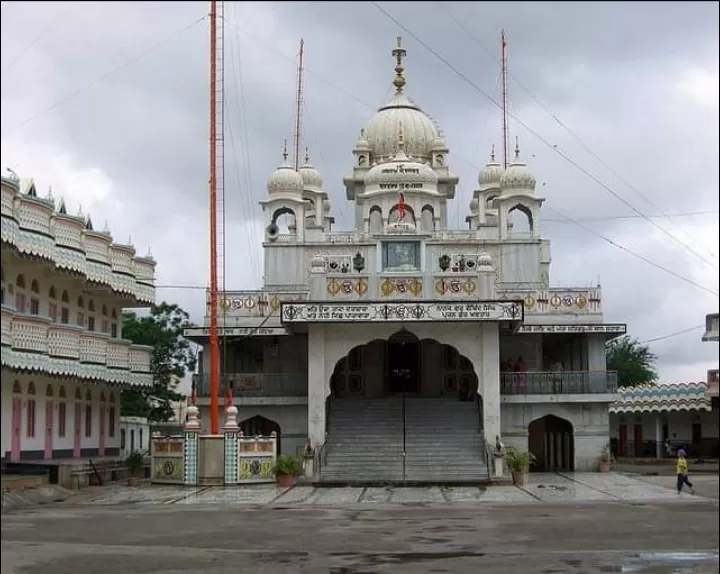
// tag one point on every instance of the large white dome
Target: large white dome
(517, 177)
(419, 130)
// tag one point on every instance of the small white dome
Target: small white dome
(285, 179)
(491, 173)
(517, 176)
(312, 178)
(484, 260)
(403, 171)
(474, 205)
(326, 206)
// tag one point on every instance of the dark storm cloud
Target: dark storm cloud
(613, 72)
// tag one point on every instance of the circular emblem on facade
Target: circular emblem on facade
(440, 287)
(274, 303)
(249, 303)
(255, 467)
(346, 287)
(290, 313)
(168, 468)
(401, 312)
(415, 287)
(417, 312)
(568, 301)
(361, 287)
(333, 287)
(470, 286)
(529, 302)
(581, 301)
(387, 287)
(226, 303)
(555, 301)
(455, 286)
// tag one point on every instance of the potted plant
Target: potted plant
(287, 469)
(518, 462)
(606, 459)
(134, 462)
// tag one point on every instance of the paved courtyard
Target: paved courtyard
(541, 530)
(540, 488)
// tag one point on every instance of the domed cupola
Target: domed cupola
(421, 132)
(285, 180)
(517, 177)
(401, 173)
(311, 177)
(491, 174)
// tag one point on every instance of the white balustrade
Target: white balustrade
(140, 359)
(7, 318)
(93, 348)
(64, 341)
(30, 333)
(118, 354)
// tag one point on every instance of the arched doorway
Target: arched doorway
(404, 364)
(260, 426)
(551, 440)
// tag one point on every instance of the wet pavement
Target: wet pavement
(592, 537)
(540, 488)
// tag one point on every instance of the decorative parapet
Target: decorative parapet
(33, 227)
(252, 303)
(556, 301)
(669, 397)
(37, 344)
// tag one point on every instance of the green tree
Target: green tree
(172, 357)
(633, 361)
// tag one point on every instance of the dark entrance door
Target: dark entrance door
(403, 366)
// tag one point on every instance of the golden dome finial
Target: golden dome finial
(492, 153)
(399, 53)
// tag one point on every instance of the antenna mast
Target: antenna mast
(217, 202)
(506, 135)
(298, 108)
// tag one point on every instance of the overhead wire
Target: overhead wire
(40, 35)
(673, 335)
(532, 131)
(106, 75)
(567, 128)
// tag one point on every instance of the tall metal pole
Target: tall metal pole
(506, 135)
(214, 339)
(298, 108)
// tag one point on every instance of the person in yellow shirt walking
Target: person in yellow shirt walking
(681, 467)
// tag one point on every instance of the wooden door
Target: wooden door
(101, 445)
(49, 409)
(638, 440)
(77, 427)
(16, 429)
(622, 440)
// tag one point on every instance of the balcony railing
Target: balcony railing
(41, 336)
(256, 384)
(560, 382)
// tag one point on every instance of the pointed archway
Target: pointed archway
(551, 440)
(261, 426)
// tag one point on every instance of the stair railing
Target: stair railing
(404, 437)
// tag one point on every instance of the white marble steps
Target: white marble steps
(365, 442)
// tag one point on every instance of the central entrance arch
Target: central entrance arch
(551, 441)
(404, 364)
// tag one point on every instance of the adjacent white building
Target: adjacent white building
(403, 337)
(64, 360)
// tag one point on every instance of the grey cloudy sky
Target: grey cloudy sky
(107, 102)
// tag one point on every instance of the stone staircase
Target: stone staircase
(365, 442)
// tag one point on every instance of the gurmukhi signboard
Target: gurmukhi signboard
(400, 312)
(609, 329)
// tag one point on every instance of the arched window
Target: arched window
(17, 389)
(65, 308)
(78, 394)
(91, 315)
(105, 324)
(520, 221)
(52, 305)
(427, 217)
(113, 324)
(62, 393)
(375, 223)
(49, 391)
(80, 314)
(35, 286)
(34, 299)
(20, 301)
(62, 412)
(2, 283)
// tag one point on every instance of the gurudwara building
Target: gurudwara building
(64, 361)
(403, 349)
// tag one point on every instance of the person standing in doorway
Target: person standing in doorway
(681, 467)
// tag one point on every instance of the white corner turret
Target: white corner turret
(285, 180)
(517, 177)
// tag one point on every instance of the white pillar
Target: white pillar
(490, 380)
(316, 385)
(658, 436)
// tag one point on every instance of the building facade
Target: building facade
(403, 314)
(64, 361)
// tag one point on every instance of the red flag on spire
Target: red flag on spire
(401, 206)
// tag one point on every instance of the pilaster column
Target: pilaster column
(659, 446)
(316, 385)
(490, 380)
(190, 453)
(230, 432)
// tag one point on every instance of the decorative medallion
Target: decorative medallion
(346, 287)
(568, 301)
(555, 301)
(275, 303)
(415, 287)
(250, 302)
(581, 301)
(333, 287)
(387, 287)
(361, 287)
(470, 286)
(529, 302)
